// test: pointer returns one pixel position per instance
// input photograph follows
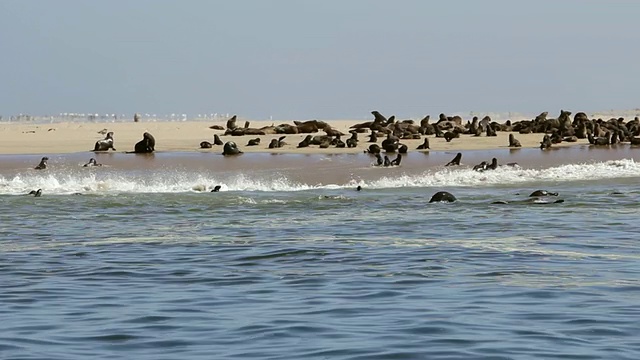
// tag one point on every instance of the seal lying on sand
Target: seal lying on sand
(456, 160)
(105, 144)
(253, 142)
(43, 164)
(230, 148)
(442, 196)
(92, 162)
(206, 145)
(277, 143)
(146, 145)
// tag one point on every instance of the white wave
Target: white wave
(180, 182)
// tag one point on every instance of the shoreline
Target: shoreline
(75, 137)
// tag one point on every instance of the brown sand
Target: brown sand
(59, 138)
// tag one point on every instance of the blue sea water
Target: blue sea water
(138, 260)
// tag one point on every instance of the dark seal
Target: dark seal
(146, 145)
(230, 148)
(456, 160)
(442, 196)
(538, 193)
(43, 164)
(216, 188)
(92, 162)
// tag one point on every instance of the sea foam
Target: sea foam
(172, 181)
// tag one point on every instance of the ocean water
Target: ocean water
(138, 260)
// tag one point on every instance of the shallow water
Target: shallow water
(290, 262)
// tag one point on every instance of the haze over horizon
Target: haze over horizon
(293, 59)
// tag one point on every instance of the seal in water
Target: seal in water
(396, 161)
(92, 162)
(456, 160)
(35, 193)
(146, 145)
(425, 145)
(442, 196)
(543, 193)
(230, 148)
(43, 164)
(105, 144)
(359, 188)
(216, 188)
(206, 145)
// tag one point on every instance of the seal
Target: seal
(379, 161)
(456, 160)
(305, 143)
(43, 164)
(396, 161)
(230, 148)
(254, 142)
(105, 144)
(425, 145)
(35, 193)
(92, 162)
(146, 145)
(373, 149)
(206, 145)
(277, 143)
(513, 142)
(359, 188)
(216, 140)
(442, 196)
(216, 188)
(402, 149)
(542, 193)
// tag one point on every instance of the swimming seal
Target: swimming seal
(105, 144)
(543, 193)
(92, 162)
(230, 148)
(396, 161)
(146, 145)
(216, 188)
(442, 196)
(43, 164)
(36, 193)
(456, 160)
(359, 188)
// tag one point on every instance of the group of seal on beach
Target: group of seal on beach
(392, 131)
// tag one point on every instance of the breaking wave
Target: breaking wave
(172, 181)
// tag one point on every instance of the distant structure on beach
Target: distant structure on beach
(136, 117)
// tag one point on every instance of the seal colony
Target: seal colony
(443, 132)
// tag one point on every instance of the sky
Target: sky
(326, 59)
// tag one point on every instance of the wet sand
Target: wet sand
(64, 138)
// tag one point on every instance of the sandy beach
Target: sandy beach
(73, 137)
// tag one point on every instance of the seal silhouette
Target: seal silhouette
(35, 193)
(456, 160)
(92, 162)
(105, 144)
(230, 148)
(146, 145)
(442, 196)
(43, 164)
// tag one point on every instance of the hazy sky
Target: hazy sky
(297, 59)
